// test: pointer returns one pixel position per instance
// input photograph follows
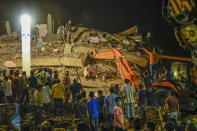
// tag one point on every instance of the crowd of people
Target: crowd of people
(116, 111)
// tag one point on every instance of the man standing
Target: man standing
(80, 110)
(24, 87)
(67, 82)
(93, 111)
(128, 94)
(58, 96)
(101, 103)
(75, 88)
(7, 87)
(11, 78)
(147, 82)
(16, 88)
(43, 76)
(141, 102)
(118, 116)
(61, 33)
(172, 105)
(32, 84)
(46, 96)
(109, 104)
(55, 78)
(1, 76)
(10, 75)
(38, 103)
(153, 63)
(66, 78)
(68, 31)
(2, 95)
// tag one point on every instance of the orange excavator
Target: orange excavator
(179, 77)
(121, 62)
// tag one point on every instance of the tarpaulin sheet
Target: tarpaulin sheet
(16, 120)
(9, 64)
(42, 31)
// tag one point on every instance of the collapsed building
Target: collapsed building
(74, 56)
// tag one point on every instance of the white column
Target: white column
(8, 27)
(25, 32)
(49, 25)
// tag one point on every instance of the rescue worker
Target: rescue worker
(61, 33)
(128, 95)
(172, 105)
(58, 96)
(66, 82)
(68, 31)
(153, 63)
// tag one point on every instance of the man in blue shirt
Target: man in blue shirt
(93, 111)
(109, 104)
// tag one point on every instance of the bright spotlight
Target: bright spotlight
(25, 32)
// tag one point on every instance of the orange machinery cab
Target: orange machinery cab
(178, 78)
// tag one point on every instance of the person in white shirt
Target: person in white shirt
(128, 93)
(7, 87)
(46, 94)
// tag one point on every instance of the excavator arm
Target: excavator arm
(121, 62)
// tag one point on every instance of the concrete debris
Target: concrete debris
(94, 40)
(52, 52)
(9, 64)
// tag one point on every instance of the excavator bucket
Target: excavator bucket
(121, 62)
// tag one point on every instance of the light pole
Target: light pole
(25, 32)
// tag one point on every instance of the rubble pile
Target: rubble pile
(28, 119)
(83, 40)
(53, 53)
(8, 38)
(6, 113)
(74, 57)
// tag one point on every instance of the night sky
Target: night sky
(106, 15)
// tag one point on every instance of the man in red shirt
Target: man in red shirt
(118, 116)
(16, 88)
(10, 75)
(172, 105)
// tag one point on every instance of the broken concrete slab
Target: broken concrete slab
(67, 49)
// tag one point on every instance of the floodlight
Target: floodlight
(25, 32)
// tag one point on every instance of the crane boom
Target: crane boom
(121, 62)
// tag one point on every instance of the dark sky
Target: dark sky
(106, 15)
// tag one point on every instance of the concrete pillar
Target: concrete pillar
(67, 49)
(8, 27)
(53, 30)
(49, 25)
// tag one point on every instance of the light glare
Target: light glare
(25, 32)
